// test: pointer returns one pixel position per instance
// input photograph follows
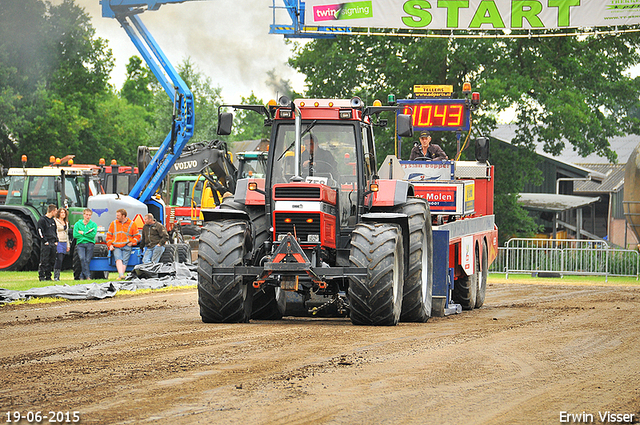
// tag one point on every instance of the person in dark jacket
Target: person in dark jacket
(316, 158)
(48, 232)
(154, 237)
(426, 150)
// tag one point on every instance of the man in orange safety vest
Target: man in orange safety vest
(122, 235)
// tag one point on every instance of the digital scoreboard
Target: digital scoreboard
(437, 114)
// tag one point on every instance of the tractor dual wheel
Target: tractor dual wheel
(418, 280)
(223, 298)
(376, 299)
(16, 242)
(465, 289)
(179, 252)
(484, 274)
(269, 303)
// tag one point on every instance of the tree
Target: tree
(53, 72)
(563, 88)
(249, 125)
(207, 98)
(137, 87)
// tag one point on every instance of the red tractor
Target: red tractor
(322, 232)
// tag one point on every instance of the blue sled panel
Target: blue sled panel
(108, 264)
(440, 263)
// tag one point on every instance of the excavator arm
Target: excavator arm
(127, 13)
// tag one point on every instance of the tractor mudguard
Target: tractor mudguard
(27, 213)
(391, 193)
(219, 214)
(249, 197)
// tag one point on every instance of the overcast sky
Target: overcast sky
(228, 41)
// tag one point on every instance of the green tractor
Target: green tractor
(29, 192)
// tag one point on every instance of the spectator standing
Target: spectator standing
(154, 237)
(48, 241)
(62, 228)
(121, 236)
(85, 232)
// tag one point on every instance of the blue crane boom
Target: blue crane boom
(297, 29)
(126, 12)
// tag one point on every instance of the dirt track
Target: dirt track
(532, 352)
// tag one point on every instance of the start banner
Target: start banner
(473, 14)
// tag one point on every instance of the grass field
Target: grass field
(20, 281)
(566, 280)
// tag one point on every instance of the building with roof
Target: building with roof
(580, 197)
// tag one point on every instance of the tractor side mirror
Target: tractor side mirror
(404, 127)
(225, 122)
(482, 149)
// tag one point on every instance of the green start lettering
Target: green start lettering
(526, 9)
(564, 10)
(487, 13)
(453, 10)
(419, 17)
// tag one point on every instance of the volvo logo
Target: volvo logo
(185, 165)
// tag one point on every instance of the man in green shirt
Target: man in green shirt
(85, 232)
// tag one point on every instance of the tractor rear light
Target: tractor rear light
(345, 114)
(286, 113)
(252, 186)
(374, 187)
(475, 98)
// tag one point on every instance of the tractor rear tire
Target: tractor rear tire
(223, 299)
(484, 274)
(418, 280)
(17, 242)
(465, 289)
(377, 298)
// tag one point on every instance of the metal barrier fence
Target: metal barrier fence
(565, 257)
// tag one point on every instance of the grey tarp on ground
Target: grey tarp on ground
(143, 276)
